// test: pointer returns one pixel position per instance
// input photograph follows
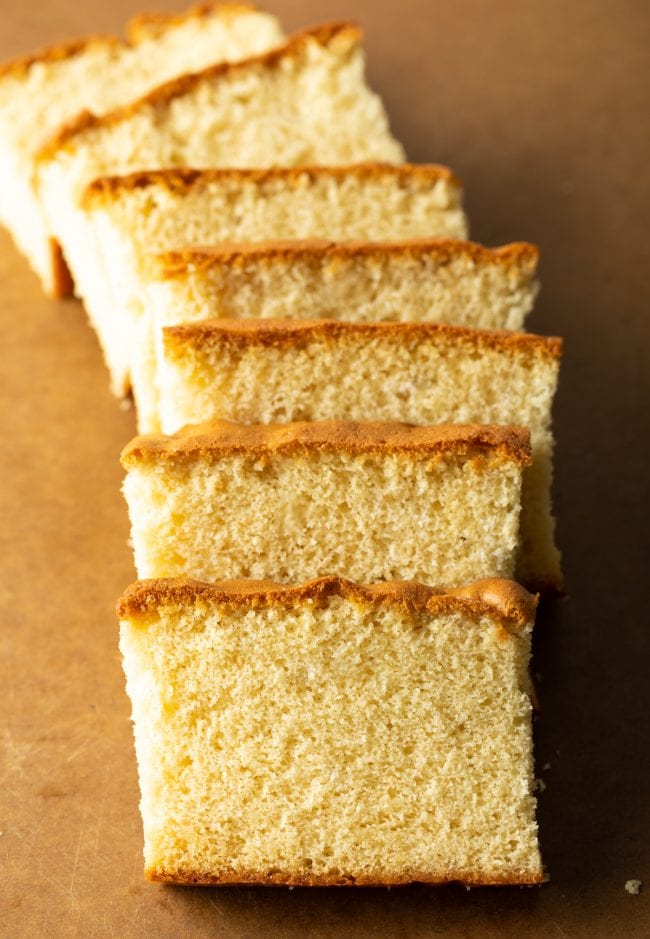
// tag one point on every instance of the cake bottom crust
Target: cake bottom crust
(518, 878)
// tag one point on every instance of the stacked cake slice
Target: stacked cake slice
(332, 734)
(380, 501)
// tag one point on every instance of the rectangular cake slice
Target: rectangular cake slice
(305, 102)
(376, 501)
(263, 371)
(135, 217)
(332, 734)
(42, 91)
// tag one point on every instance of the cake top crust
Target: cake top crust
(185, 179)
(139, 28)
(219, 438)
(343, 37)
(519, 255)
(503, 600)
(297, 333)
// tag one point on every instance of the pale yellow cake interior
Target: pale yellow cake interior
(443, 521)
(332, 743)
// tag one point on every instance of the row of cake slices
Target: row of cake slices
(380, 331)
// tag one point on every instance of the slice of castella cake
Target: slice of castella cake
(379, 501)
(332, 734)
(415, 280)
(134, 217)
(263, 371)
(44, 90)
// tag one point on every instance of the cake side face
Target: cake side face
(43, 91)
(335, 737)
(302, 501)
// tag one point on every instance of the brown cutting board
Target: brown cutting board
(542, 108)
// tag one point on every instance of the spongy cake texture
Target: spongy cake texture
(40, 92)
(457, 282)
(306, 102)
(426, 280)
(132, 218)
(331, 734)
(379, 501)
(286, 370)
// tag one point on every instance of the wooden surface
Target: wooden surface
(543, 110)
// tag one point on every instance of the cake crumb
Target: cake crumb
(633, 886)
(540, 785)
(546, 766)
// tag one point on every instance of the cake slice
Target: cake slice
(378, 501)
(40, 92)
(305, 102)
(264, 371)
(422, 281)
(135, 217)
(332, 734)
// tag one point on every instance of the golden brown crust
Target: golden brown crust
(218, 439)
(283, 333)
(517, 878)
(347, 35)
(144, 26)
(184, 179)
(503, 600)
(442, 251)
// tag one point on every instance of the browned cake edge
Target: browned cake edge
(137, 29)
(518, 878)
(326, 35)
(505, 601)
(295, 333)
(175, 263)
(218, 438)
(183, 179)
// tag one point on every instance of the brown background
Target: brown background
(543, 109)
